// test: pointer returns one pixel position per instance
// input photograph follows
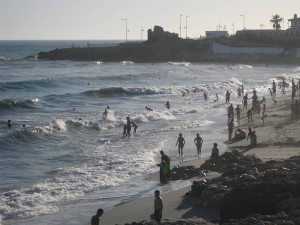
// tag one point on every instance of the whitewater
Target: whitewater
(61, 160)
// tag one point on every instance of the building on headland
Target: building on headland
(290, 34)
(158, 34)
(216, 34)
(295, 23)
(263, 42)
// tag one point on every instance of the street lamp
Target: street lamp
(186, 27)
(126, 27)
(243, 15)
(180, 26)
(142, 33)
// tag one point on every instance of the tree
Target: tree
(276, 20)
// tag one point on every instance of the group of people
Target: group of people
(157, 215)
(127, 127)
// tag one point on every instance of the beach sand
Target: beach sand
(278, 138)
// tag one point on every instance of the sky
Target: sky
(102, 19)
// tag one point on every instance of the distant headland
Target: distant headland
(246, 46)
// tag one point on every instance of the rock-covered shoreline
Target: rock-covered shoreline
(235, 195)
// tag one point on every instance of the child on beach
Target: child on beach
(158, 206)
(215, 152)
(96, 218)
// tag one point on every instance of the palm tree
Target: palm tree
(276, 20)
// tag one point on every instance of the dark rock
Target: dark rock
(186, 172)
(288, 205)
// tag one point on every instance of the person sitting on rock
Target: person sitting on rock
(239, 134)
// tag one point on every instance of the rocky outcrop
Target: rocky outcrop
(178, 50)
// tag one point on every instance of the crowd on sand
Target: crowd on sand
(247, 190)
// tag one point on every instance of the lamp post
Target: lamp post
(186, 27)
(142, 33)
(180, 26)
(244, 22)
(126, 27)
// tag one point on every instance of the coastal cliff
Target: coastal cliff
(178, 50)
(163, 46)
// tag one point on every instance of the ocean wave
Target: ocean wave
(30, 84)
(119, 91)
(7, 104)
(180, 63)
(28, 134)
(106, 92)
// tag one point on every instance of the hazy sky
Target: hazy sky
(101, 19)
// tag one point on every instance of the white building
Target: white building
(216, 34)
(295, 23)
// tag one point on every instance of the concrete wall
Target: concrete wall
(297, 52)
(223, 49)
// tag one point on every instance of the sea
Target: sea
(62, 159)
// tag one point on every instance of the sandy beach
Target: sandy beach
(278, 138)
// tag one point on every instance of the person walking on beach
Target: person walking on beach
(134, 127)
(180, 142)
(215, 152)
(96, 218)
(198, 142)
(158, 206)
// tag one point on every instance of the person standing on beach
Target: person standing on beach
(128, 126)
(158, 206)
(230, 112)
(245, 101)
(180, 142)
(165, 168)
(227, 97)
(239, 92)
(96, 218)
(274, 89)
(249, 115)
(230, 129)
(252, 136)
(205, 96)
(198, 142)
(167, 105)
(238, 113)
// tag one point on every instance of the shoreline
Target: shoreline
(179, 206)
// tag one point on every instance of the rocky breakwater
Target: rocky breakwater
(250, 191)
(180, 50)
